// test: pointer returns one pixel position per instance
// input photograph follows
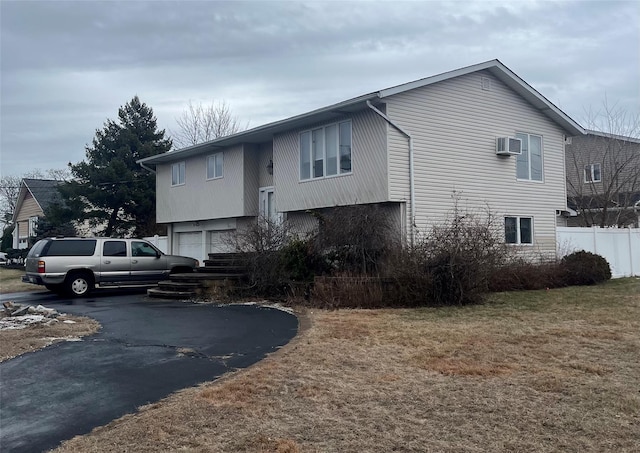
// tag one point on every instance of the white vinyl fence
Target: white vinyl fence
(620, 247)
(159, 241)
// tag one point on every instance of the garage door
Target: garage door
(190, 244)
(220, 241)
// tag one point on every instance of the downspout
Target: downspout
(412, 194)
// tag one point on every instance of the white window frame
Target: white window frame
(527, 143)
(589, 170)
(339, 171)
(215, 158)
(518, 219)
(33, 225)
(181, 171)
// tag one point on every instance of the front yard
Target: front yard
(10, 281)
(14, 342)
(551, 370)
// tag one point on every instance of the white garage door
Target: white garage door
(190, 244)
(220, 241)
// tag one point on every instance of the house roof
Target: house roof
(43, 191)
(266, 132)
(612, 136)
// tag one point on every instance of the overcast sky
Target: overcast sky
(66, 67)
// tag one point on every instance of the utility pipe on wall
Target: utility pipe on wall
(411, 178)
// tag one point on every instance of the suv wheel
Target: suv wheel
(79, 284)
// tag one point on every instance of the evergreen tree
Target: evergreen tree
(57, 221)
(113, 188)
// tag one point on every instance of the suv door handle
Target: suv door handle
(134, 261)
(107, 262)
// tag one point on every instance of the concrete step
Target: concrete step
(179, 286)
(223, 268)
(204, 276)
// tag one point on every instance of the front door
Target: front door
(268, 204)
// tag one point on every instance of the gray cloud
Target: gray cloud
(68, 66)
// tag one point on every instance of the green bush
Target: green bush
(585, 268)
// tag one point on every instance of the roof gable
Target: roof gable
(44, 192)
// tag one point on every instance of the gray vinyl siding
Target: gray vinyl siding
(619, 159)
(199, 199)
(454, 125)
(367, 183)
(265, 154)
(250, 186)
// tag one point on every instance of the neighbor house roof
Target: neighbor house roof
(266, 132)
(612, 136)
(44, 192)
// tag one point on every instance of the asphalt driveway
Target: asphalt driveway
(146, 350)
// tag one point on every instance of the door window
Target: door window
(114, 248)
(142, 249)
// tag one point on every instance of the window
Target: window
(114, 248)
(325, 151)
(518, 230)
(177, 174)
(143, 249)
(214, 166)
(70, 247)
(529, 162)
(592, 173)
(33, 225)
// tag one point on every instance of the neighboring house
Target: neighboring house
(407, 148)
(603, 180)
(35, 196)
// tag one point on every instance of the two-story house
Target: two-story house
(480, 131)
(34, 197)
(603, 180)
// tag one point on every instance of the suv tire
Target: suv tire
(79, 284)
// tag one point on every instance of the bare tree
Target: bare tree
(202, 123)
(603, 169)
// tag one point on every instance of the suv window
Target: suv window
(114, 248)
(142, 249)
(70, 247)
(37, 249)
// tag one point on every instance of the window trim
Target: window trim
(180, 165)
(214, 156)
(518, 231)
(33, 225)
(529, 179)
(324, 127)
(592, 168)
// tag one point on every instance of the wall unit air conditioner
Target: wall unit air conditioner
(508, 146)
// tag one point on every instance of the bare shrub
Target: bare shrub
(278, 261)
(522, 275)
(453, 263)
(355, 239)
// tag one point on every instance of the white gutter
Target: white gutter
(412, 194)
(147, 168)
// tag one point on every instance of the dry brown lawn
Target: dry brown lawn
(16, 342)
(536, 371)
(10, 281)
